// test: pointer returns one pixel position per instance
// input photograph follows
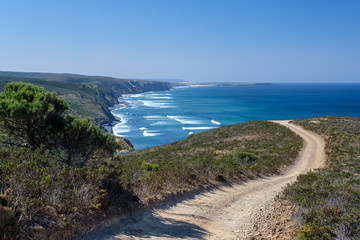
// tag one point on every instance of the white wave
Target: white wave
(134, 95)
(159, 123)
(142, 128)
(121, 128)
(151, 134)
(215, 122)
(197, 128)
(161, 94)
(154, 117)
(161, 97)
(156, 104)
(120, 116)
(185, 120)
(191, 133)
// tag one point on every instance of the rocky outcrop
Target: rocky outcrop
(125, 142)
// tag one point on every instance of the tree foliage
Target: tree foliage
(51, 162)
(30, 116)
(82, 141)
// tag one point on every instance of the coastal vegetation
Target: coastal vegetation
(228, 153)
(89, 96)
(328, 199)
(47, 160)
(58, 171)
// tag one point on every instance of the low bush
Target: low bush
(227, 153)
(33, 180)
(329, 198)
(9, 226)
(53, 165)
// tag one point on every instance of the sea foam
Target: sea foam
(160, 123)
(156, 104)
(197, 128)
(154, 117)
(185, 120)
(147, 133)
(121, 127)
(161, 94)
(215, 122)
(161, 97)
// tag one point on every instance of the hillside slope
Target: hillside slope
(87, 95)
(230, 211)
(228, 153)
(151, 176)
(328, 200)
(116, 85)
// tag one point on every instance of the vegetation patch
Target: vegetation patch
(227, 153)
(52, 164)
(58, 171)
(329, 198)
(89, 96)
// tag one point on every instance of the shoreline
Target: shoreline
(123, 96)
(121, 102)
(111, 124)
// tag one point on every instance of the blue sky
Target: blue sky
(194, 40)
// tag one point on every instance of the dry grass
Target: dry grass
(228, 153)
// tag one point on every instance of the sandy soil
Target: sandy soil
(227, 212)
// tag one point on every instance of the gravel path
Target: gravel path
(227, 212)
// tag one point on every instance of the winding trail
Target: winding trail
(227, 212)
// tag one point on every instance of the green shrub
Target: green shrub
(29, 115)
(244, 157)
(33, 117)
(227, 153)
(315, 232)
(329, 199)
(51, 162)
(31, 180)
(149, 167)
(83, 141)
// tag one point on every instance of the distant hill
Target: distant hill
(169, 80)
(184, 84)
(87, 95)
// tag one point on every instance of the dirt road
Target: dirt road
(227, 212)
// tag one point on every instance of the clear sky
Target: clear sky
(194, 40)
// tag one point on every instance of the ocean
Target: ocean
(155, 118)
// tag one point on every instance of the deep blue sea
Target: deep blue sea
(156, 118)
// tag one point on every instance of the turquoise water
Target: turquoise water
(156, 118)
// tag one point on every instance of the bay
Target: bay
(156, 118)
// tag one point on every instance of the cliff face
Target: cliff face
(109, 93)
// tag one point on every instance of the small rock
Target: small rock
(37, 227)
(61, 223)
(51, 211)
